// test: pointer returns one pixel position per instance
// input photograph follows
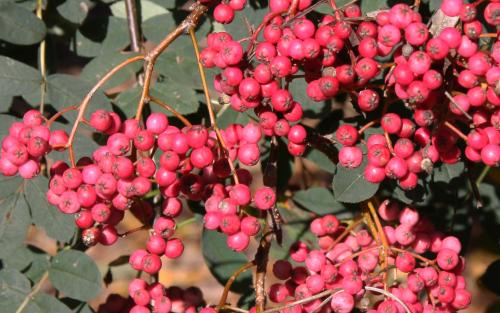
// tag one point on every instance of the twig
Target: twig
(133, 25)
(229, 283)
(33, 292)
(390, 295)
(346, 232)
(133, 230)
(455, 104)
(261, 259)
(184, 120)
(187, 24)
(213, 119)
(42, 62)
(455, 130)
(383, 238)
(305, 300)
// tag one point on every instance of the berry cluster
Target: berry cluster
(145, 298)
(353, 264)
(339, 54)
(25, 145)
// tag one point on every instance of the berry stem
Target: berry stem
(229, 283)
(171, 110)
(33, 292)
(261, 258)
(389, 142)
(60, 113)
(302, 301)
(390, 295)
(371, 225)
(213, 119)
(368, 125)
(186, 222)
(293, 8)
(133, 230)
(416, 256)
(455, 130)
(467, 115)
(383, 239)
(83, 106)
(488, 35)
(346, 232)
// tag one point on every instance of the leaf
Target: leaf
(156, 27)
(75, 274)
(39, 265)
(75, 11)
(321, 160)
(121, 260)
(231, 116)
(102, 64)
(65, 90)
(116, 37)
(318, 200)
(14, 222)
(372, 5)
(57, 225)
(183, 100)
(19, 259)
(223, 262)
(350, 186)
(14, 287)
(148, 9)
(20, 26)
(447, 172)
(44, 303)
(17, 78)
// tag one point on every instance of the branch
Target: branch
(261, 259)
(229, 283)
(33, 292)
(213, 119)
(133, 25)
(42, 63)
(190, 22)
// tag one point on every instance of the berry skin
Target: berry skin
(238, 242)
(151, 263)
(174, 248)
(223, 13)
(157, 123)
(347, 135)
(101, 120)
(342, 302)
(264, 198)
(391, 123)
(405, 262)
(297, 134)
(350, 157)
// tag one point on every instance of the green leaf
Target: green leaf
(148, 9)
(350, 186)
(156, 27)
(14, 222)
(57, 225)
(117, 38)
(183, 100)
(102, 64)
(39, 265)
(75, 11)
(231, 116)
(14, 287)
(447, 172)
(17, 78)
(19, 26)
(318, 200)
(223, 262)
(19, 259)
(44, 303)
(65, 90)
(75, 274)
(320, 159)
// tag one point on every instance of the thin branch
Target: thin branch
(42, 62)
(229, 283)
(33, 292)
(133, 25)
(261, 259)
(189, 23)
(213, 119)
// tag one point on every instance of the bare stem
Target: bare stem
(230, 282)
(33, 292)
(455, 130)
(42, 62)
(133, 25)
(213, 119)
